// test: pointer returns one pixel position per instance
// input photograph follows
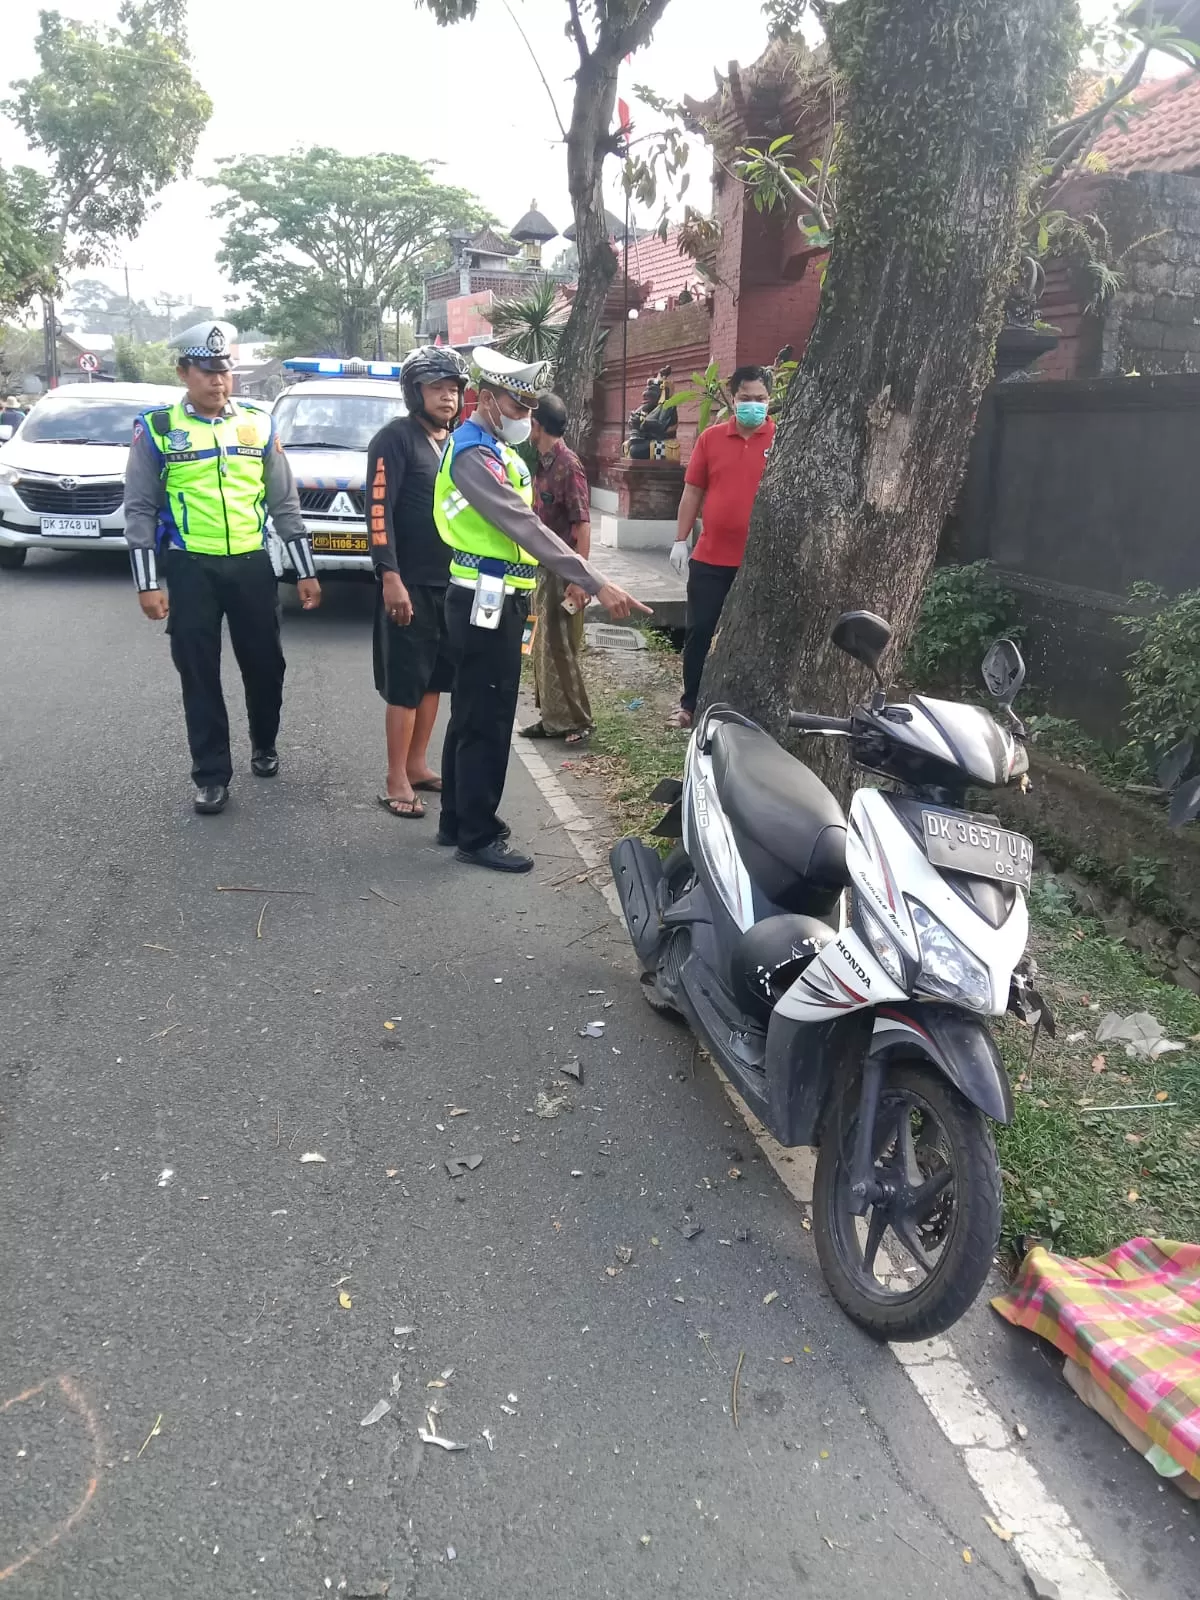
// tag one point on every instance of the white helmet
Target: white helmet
(523, 380)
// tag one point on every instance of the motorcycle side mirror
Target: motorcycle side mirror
(1003, 672)
(864, 636)
(6, 433)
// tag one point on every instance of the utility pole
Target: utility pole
(129, 298)
(166, 305)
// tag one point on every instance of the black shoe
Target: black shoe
(211, 798)
(264, 763)
(499, 856)
(445, 838)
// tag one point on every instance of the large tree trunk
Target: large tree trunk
(948, 100)
(589, 141)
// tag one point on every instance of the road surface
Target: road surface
(196, 1320)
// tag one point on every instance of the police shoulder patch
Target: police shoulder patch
(496, 468)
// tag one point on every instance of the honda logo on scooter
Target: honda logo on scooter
(850, 960)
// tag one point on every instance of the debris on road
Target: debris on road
(689, 1227)
(550, 1105)
(261, 915)
(768, 1299)
(154, 1432)
(575, 1173)
(451, 1553)
(737, 1378)
(402, 1333)
(486, 1434)
(1003, 1534)
(624, 1254)
(378, 1410)
(644, 1541)
(593, 1030)
(508, 1411)
(572, 1070)
(513, 1401)
(1141, 1033)
(459, 1111)
(345, 1301)
(441, 1380)
(1021, 1431)
(457, 1165)
(390, 1025)
(165, 1177)
(312, 1155)
(429, 1434)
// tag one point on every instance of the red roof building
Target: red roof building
(1163, 132)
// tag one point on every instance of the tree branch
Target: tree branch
(549, 92)
(1086, 128)
(578, 34)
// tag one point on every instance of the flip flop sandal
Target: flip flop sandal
(580, 736)
(535, 730)
(679, 719)
(410, 810)
(429, 785)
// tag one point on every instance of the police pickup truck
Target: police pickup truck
(325, 423)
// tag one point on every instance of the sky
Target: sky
(376, 75)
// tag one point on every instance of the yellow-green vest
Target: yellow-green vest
(213, 478)
(471, 537)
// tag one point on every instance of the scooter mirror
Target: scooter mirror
(863, 635)
(1003, 671)
(6, 433)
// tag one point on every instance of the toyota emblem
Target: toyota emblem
(68, 484)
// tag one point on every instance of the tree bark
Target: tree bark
(948, 100)
(590, 141)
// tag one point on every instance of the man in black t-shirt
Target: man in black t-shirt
(412, 565)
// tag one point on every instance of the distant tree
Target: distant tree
(26, 264)
(117, 113)
(604, 32)
(144, 363)
(320, 240)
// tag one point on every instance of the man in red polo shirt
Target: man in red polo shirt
(723, 476)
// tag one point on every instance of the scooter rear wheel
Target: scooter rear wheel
(913, 1265)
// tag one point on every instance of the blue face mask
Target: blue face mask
(750, 413)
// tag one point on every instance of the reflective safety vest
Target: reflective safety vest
(213, 478)
(471, 537)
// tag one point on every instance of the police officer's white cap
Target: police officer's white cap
(523, 380)
(207, 344)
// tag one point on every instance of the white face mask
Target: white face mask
(515, 430)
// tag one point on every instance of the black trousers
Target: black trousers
(483, 705)
(202, 591)
(707, 587)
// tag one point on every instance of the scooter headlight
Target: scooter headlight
(882, 948)
(948, 970)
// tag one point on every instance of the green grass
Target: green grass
(1068, 1171)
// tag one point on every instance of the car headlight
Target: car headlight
(882, 948)
(8, 475)
(948, 970)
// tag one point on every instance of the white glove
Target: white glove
(680, 556)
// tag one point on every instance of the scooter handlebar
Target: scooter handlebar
(807, 722)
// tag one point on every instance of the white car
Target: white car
(325, 426)
(62, 476)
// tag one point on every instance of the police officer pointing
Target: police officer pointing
(482, 507)
(202, 476)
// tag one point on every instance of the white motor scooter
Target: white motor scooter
(840, 970)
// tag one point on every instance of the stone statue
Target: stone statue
(652, 423)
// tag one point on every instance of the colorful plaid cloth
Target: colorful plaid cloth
(1132, 1319)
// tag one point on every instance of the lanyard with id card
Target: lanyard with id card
(488, 605)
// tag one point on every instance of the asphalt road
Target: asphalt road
(181, 1387)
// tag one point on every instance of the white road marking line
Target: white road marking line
(1043, 1535)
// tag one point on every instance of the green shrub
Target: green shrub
(1164, 674)
(965, 610)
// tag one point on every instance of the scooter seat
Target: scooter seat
(789, 828)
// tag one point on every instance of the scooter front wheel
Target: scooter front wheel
(915, 1262)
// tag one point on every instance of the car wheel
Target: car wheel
(12, 556)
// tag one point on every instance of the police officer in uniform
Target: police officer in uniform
(483, 509)
(203, 475)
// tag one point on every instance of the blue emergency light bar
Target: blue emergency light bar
(331, 367)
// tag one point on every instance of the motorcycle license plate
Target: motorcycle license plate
(963, 843)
